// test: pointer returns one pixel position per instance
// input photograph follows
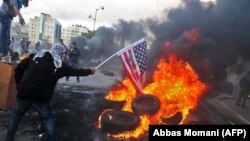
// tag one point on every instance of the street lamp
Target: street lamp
(94, 18)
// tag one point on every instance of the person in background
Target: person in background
(24, 47)
(61, 42)
(36, 77)
(245, 89)
(8, 10)
(11, 47)
(37, 46)
(73, 55)
(13, 39)
(15, 57)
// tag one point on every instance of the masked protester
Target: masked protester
(36, 78)
(8, 10)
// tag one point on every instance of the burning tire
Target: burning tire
(174, 120)
(146, 104)
(119, 121)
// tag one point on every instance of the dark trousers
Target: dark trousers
(45, 112)
(243, 95)
(5, 23)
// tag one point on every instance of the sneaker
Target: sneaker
(6, 59)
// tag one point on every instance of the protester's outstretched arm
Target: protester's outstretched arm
(67, 70)
(21, 20)
(81, 72)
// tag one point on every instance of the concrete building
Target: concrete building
(44, 28)
(73, 31)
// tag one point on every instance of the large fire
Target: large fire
(175, 83)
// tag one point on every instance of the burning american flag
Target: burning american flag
(133, 60)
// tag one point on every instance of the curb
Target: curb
(235, 116)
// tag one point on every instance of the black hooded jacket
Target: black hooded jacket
(36, 80)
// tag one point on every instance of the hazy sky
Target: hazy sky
(70, 12)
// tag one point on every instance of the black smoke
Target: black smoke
(108, 41)
(224, 30)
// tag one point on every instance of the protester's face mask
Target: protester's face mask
(60, 50)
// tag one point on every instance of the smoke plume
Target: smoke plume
(223, 29)
(210, 36)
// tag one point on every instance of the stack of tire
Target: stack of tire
(117, 121)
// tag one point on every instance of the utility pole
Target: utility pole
(94, 18)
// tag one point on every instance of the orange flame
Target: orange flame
(175, 83)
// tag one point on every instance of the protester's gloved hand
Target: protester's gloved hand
(93, 71)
